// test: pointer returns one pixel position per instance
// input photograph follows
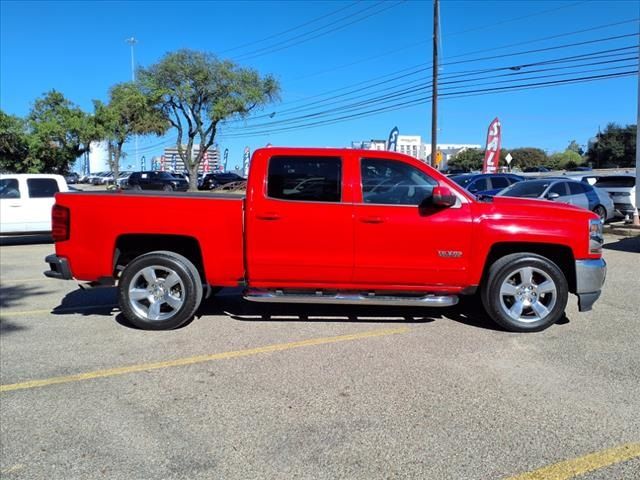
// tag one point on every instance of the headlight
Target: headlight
(596, 238)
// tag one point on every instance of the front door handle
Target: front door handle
(371, 219)
(268, 216)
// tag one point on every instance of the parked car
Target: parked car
(539, 169)
(26, 201)
(580, 169)
(155, 180)
(373, 228)
(486, 183)
(564, 190)
(622, 190)
(72, 178)
(215, 180)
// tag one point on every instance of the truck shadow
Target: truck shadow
(230, 303)
(630, 244)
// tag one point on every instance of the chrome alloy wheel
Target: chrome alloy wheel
(156, 293)
(528, 294)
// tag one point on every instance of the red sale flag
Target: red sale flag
(492, 152)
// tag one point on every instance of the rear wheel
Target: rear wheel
(136, 187)
(601, 212)
(159, 291)
(525, 292)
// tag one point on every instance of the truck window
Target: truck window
(390, 182)
(42, 187)
(312, 179)
(9, 188)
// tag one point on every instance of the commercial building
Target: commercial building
(412, 145)
(171, 161)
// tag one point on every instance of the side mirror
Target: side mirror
(443, 197)
(552, 196)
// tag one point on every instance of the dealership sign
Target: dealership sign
(492, 152)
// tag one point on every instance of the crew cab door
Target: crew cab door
(37, 207)
(398, 242)
(299, 229)
(12, 197)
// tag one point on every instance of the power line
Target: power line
(292, 29)
(411, 87)
(424, 67)
(509, 20)
(423, 100)
(269, 49)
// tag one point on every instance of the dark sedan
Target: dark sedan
(486, 183)
(215, 180)
(155, 180)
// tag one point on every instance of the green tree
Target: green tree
(469, 159)
(575, 147)
(14, 144)
(616, 146)
(129, 112)
(59, 133)
(197, 91)
(528, 157)
(564, 160)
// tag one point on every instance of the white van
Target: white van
(26, 201)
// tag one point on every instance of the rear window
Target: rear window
(616, 182)
(42, 187)
(314, 179)
(9, 188)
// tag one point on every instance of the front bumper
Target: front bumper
(590, 276)
(58, 268)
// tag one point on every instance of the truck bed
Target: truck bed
(101, 221)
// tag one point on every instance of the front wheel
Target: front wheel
(525, 292)
(159, 291)
(167, 188)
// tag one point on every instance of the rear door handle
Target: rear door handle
(268, 216)
(371, 219)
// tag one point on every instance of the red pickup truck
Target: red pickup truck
(332, 226)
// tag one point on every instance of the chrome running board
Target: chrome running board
(278, 296)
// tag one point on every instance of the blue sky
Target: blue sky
(79, 49)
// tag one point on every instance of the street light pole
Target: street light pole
(132, 41)
(434, 95)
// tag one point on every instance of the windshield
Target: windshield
(528, 189)
(462, 180)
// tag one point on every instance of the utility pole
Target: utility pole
(636, 214)
(434, 95)
(132, 41)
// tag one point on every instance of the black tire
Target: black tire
(187, 294)
(167, 188)
(136, 187)
(502, 276)
(601, 212)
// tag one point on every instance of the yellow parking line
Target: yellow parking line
(5, 313)
(110, 372)
(581, 465)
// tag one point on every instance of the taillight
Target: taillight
(60, 217)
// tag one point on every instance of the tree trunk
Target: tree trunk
(193, 176)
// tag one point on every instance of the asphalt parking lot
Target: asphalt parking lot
(255, 391)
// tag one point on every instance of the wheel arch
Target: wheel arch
(130, 246)
(561, 255)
